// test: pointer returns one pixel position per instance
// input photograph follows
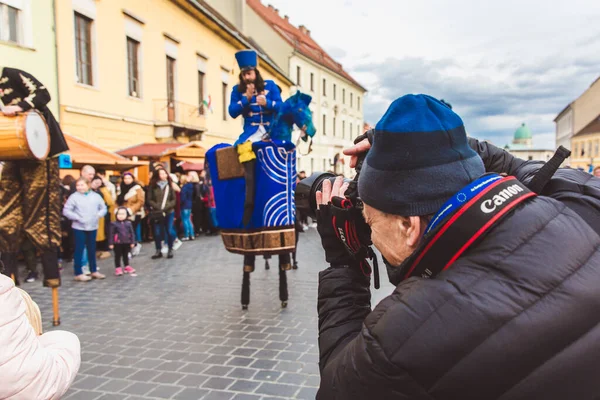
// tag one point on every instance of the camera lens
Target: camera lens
(306, 191)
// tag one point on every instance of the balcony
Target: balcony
(174, 118)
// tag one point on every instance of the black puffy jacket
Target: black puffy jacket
(516, 317)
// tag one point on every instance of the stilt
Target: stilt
(283, 289)
(246, 290)
(56, 320)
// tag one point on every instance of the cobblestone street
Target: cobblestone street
(177, 330)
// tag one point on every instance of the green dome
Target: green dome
(523, 132)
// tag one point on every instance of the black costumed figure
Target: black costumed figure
(254, 180)
(30, 189)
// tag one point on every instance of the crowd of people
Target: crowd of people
(100, 217)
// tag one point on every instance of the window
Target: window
(334, 90)
(171, 88)
(350, 126)
(324, 124)
(324, 87)
(312, 165)
(358, 129)
(133, 67)
(334, 126)
(530, 158)
(10, 24)
(324, 165)
(596, 148)
(201, 110)
(298, 76)
(351, 99)
(358, 102)
(343, 129)
(83, 49)
(312, 82)
(224, 101)
(344, 96)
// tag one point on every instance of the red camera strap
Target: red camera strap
(442, 247)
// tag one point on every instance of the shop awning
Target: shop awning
(83, 153)
(192, 150)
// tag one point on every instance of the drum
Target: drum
(24, 137)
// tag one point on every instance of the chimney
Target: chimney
(287, 18)
(277, 11)
(308, 32)
(271, 7)
(303, 29)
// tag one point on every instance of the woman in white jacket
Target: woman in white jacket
(32, 367)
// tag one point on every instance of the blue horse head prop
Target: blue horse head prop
(294, 111)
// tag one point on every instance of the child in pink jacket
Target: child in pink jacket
(31, 366)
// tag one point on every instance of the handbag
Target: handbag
(158, 216)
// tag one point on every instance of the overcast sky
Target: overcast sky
(499, 63)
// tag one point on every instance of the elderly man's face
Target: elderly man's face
(88, 173)
(394, 236)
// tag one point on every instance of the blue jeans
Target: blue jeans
(186, 219)
(84, 240)
(165, 232)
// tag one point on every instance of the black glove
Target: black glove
(345, 235)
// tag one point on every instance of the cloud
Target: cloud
(492, 98)
(336, 52)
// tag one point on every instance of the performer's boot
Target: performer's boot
(248, 268)
(267, 258)
(9, 260)
(50, 267)
(295, 263)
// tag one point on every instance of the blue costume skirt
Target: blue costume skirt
(270, 229)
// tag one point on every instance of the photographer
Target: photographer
(511, 307)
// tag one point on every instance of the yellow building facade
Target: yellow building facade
(146, 71)
(27, 41)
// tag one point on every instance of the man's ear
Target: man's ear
(413, 228)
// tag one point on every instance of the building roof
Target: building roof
(157, 150)
(592, 127)
(523, 132)
(83, 153)
(299, 38)
(233, 33)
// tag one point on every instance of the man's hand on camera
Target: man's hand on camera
(335, 251)
(362, 144)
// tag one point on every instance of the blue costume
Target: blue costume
(254, 180)
(256, 118)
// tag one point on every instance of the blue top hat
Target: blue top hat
(246, 59)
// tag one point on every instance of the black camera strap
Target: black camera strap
(442, 246)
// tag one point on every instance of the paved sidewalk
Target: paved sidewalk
(177, 331)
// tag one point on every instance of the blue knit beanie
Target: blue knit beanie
(420, 157)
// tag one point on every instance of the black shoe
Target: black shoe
(157, 255)
(267, 266)
(295, 266)
(170, 253)
(244, 306)
(284, 304)
(31, 277)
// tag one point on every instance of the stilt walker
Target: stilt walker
(254, 180)
(30, 195)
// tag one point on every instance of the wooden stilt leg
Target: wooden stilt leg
(56, 319)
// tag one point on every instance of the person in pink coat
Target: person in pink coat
(31, 366)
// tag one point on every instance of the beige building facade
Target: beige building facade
(147, 71)
(579, 125)
(28, 42)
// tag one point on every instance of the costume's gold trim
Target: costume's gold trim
(260, 242)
